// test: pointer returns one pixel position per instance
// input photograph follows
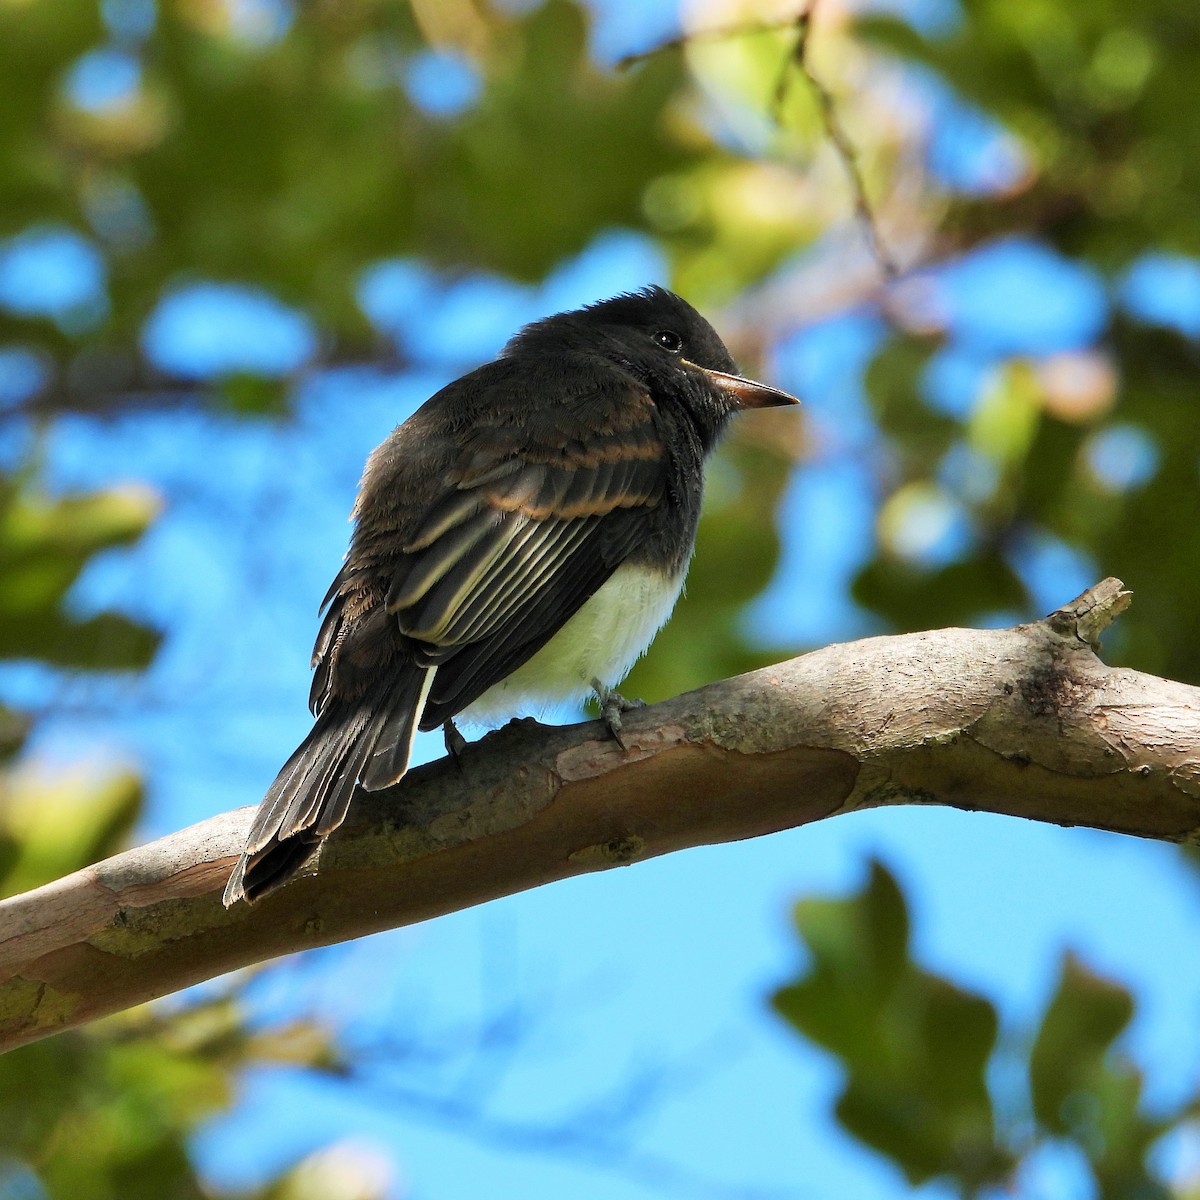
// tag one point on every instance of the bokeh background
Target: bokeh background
(241, 239)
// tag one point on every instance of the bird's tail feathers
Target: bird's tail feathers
(392, 749)
(369, 741)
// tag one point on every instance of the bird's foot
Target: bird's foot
(455, 742)
(612, 705)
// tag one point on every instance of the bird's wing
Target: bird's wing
(538, 518)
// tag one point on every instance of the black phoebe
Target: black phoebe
(519, 540)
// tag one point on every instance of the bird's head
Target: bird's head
(662, 340)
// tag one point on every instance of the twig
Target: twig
(846, 151)
(587, 1140)
(797, 57)
(716, 34)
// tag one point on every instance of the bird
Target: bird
(517, 542)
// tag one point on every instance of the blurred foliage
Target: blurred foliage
(45, 542)
(1096, 92)
(918, 1053)
(1084, 1091)
(293, 159)
(1094, 95)
(51, 826)
(914, 1046)
(108, 1112)
(297, 163)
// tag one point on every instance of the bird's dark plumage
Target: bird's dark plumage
(569, 470)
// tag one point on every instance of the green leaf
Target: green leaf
(253, 395)
(914, 597)
(45, 542)
(106, 642)
(53, 825)
(915, 1047)
(14, 728)
(1085, 1017)
(1082, 1089)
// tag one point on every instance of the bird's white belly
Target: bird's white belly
(601, 641)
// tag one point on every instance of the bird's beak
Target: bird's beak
(748, 393)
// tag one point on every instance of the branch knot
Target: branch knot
(1092, 612)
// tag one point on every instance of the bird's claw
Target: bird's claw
(612, 705)
(455, 742)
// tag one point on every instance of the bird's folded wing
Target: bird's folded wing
(530, 524)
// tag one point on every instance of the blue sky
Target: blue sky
(663, 968)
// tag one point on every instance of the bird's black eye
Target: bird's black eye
(668, 339)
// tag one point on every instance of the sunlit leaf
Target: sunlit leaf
(59, 823)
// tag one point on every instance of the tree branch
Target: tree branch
(1024, 721)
